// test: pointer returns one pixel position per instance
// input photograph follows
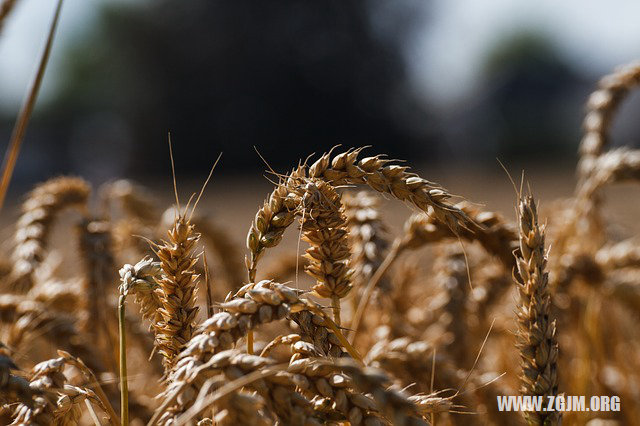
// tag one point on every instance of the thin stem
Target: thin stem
(92, 413)
(250, 342)
(252, 279)
(336, 330)
(395, 251)
(124, 390)
(335, 305)
(207, 281)
(17, 136)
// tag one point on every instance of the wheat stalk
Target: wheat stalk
(20, 128)
(5, 9)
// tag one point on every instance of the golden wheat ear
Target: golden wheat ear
(536, 336)
(39, 212)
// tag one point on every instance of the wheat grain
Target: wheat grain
(332, 391)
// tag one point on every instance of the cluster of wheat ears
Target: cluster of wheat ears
(377, 337)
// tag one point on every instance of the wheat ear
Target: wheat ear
(496, 235)
(381, 175)
(536, 331)
(368, 235)
(132, 199)
(453, 277)
(332, 390)
(601, 108)
(176, 290)
(98, 262)
(393, 404)
(492, 231)
(39, 211)
(324, 228)
(271, 220)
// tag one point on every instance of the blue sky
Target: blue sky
(443, 55)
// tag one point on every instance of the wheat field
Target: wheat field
(363, 294)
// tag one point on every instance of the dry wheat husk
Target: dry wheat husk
(219, 242)
(57, 402)
(376, 172)
(13, 387)
(583, 228)
(141, 281)
(536, 331)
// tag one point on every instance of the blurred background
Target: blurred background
(449, 85)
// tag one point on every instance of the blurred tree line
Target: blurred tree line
(291, 78)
